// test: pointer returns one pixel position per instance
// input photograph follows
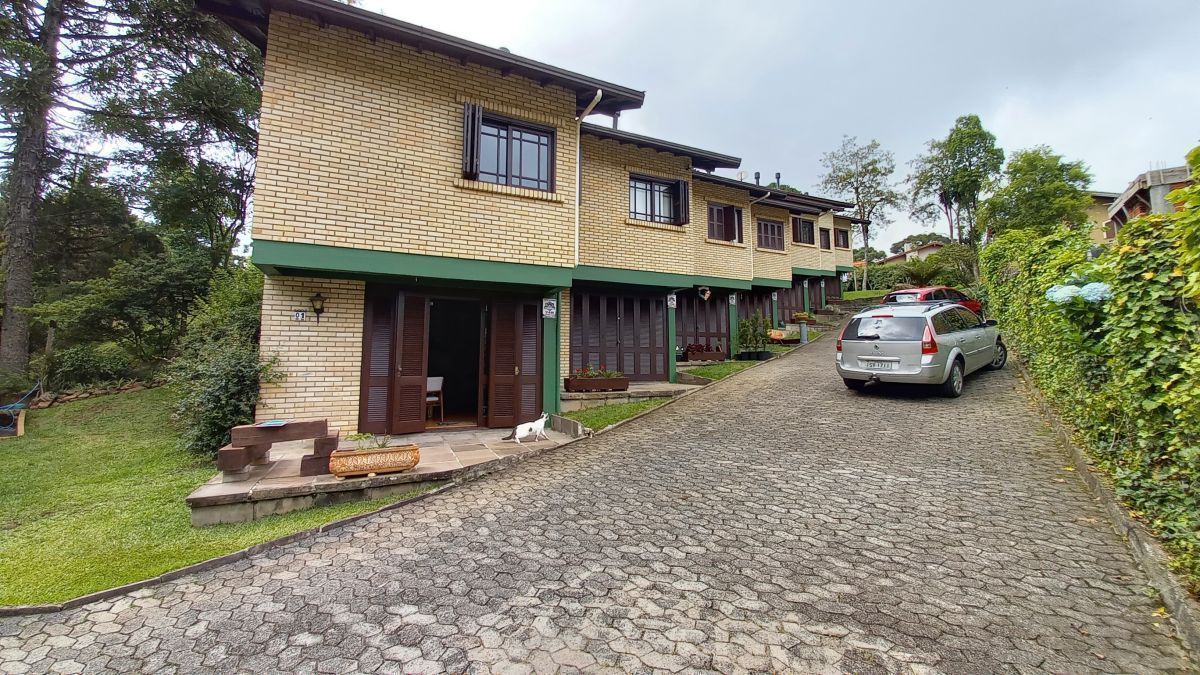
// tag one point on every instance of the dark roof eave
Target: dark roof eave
(794, 208)
(250, 17)
(819, 203)
(703, 159)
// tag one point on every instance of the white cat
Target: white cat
(536, 428)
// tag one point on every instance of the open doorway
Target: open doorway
(454, 357)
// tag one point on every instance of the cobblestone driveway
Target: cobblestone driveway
(774, 522)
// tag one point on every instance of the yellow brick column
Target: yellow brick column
(320, 361)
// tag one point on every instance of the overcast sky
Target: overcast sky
(1109, 82)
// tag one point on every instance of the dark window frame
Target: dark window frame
(772, 240)
(840, 233)
(730, 226)
(677, 191)
(475, 119)
(826, 239)
(802, 226)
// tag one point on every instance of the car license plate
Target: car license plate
(878, 365)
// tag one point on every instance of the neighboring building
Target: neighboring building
(913, 253)
(443, 205)
(1097, 215)
(1145, 195)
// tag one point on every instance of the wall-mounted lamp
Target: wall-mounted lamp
(318, 305)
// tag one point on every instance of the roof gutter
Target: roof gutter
(579, 162)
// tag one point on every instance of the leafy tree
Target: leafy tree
(924, 272)
(919, 239)
(151, 82)
(958, 262)
(142, 304)
(1041, 192)
(862, 174)
(869, 253)
(949, 178)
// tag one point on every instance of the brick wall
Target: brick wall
(360, 145)
(607, 236)
(769, 263)
(718, 258)
(321, 361)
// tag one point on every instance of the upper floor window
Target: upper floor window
(725, 223)
(658, 201)
(803, 231)
(825, 237)
(770, 234)
(841, 238)
(507, 152)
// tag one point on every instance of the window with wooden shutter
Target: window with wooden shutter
(802, 230)
(770, 235)
(658, 201)
(841, 238)
(472, 123)
(724, 222)
(825, 237)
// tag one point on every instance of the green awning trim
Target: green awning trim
(844, 268)
(616, 275)
(772, 283)
(810, 272)
(271, 256)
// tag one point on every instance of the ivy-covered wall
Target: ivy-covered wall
(1114, 343)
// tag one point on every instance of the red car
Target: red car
(932, 293)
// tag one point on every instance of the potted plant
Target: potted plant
(753, 334)
(371, 455)
(588, 378)
(802, 317)
(704, 352)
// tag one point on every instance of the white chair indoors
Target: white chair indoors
(434, 398)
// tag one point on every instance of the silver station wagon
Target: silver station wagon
(934, 343)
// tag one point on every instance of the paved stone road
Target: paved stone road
(774, 522)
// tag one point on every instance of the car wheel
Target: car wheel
(856, 385)
(1000, 357)
(953, 386)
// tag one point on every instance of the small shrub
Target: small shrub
(88, 364)
(219, 368)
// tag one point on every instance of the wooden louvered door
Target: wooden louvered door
(514, 373)
(642, 330)
(703, 322)
(411, 359)
(379, 330)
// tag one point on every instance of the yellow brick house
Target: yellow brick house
(433, 213)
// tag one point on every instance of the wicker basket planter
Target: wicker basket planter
(706, 356)
(576, 384)
(343, 463)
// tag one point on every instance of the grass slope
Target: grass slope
(601, 416)
(92, 497)
(859, 295)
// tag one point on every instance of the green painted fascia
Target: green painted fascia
(771, 283)
(810, 272)
(844, 268)
(271, 255)
(551, 380)
(733, 330)
(617, 275)
(672, 345)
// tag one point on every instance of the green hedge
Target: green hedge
(1114, 343)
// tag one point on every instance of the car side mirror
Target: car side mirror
(990, 322)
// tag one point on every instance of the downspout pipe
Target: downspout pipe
(579, 162)
(768, 193)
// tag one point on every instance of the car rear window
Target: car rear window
(888, 329)
(903, 297)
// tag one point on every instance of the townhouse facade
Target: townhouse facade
(426, 207)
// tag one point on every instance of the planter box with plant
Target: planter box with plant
(588, 378)
(373, 456)
(753, 335)
(703, 352)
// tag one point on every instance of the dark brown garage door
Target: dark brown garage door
(620, 331)
(702, 322)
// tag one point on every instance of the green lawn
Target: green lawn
(722, 370)
(859, 295)
(780, 349)
(601, 416)
(92, 497)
